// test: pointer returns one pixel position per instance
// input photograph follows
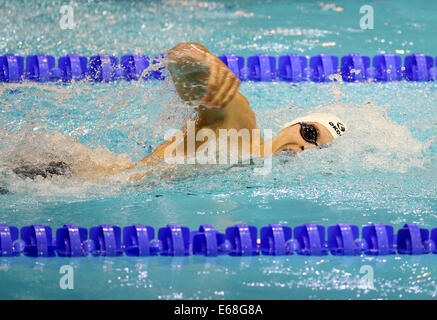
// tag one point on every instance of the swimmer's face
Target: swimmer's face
(290, 138)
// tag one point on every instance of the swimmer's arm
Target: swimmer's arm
(95, 170)
(157, 155)
(237, 115)
(205, 81)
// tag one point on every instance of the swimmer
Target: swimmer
(203, 81)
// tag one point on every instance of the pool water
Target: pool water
(383, 171)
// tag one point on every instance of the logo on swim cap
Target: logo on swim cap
(341, 126)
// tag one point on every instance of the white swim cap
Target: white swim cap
(334, 125)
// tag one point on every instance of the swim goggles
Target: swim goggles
(309, 133)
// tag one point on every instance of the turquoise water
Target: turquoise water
(383, 171)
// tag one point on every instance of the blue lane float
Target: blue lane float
(355, 67)
(73, 67)
(138, 241)
(133, 66)
(103, 68)
(208, 242)
(323, 67)
(294, 68)
(11, 68)
(106, 241)
(236, 65)
(261, 67)
(388, 67)
(310, 240)
(238, 240)
(379, 239)
(418, 67)
(434, 241)
(71, 241)
(41, 68)
(413, 240)
(10, 245)
(157, 72)
(174, 240)
(343, 240)
(38, 241)
(242, 240)
(276, 240)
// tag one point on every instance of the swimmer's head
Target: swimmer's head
(313, 130)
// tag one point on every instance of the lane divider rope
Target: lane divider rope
(238, 240)
(323, 67)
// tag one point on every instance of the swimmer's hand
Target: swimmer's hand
(222, 83)
(201, 77)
